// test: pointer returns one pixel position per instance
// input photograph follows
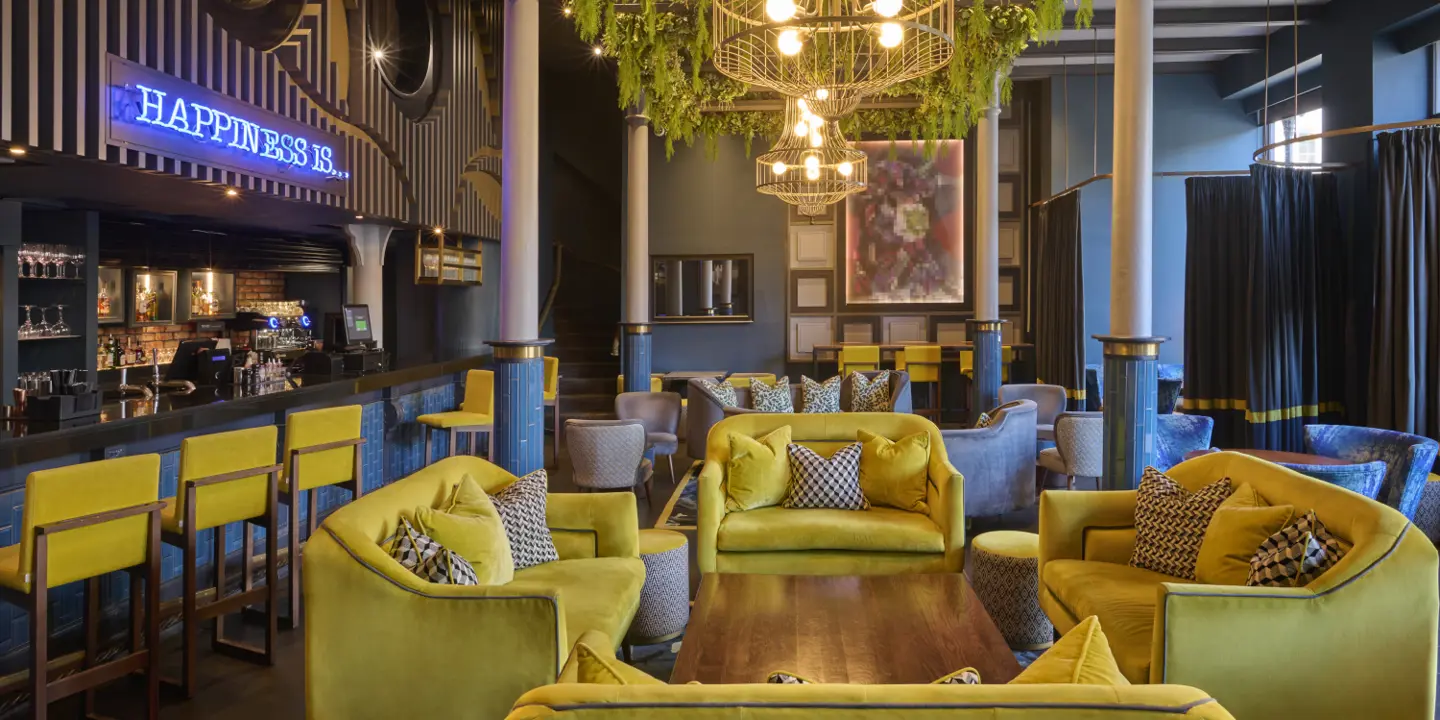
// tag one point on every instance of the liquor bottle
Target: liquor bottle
(198, 305)
(102, 303)
(116, 355)
(137, 352)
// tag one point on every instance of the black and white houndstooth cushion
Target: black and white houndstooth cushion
(723, 391)
(870, 395)
(1299, 553)
(819, 483)
(521, 505)
(420, 554)
(820, 397)
(771, 398)
(1170, 523)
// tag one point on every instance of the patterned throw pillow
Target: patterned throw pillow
(772, 398)
(821, 397)
(870, 395)
(1170, 523)
(819, 483)
(723, 391)
(521, 505)
(988, 419)
(430, 560)
(983, 421)
(964, 676)
(1299, 553)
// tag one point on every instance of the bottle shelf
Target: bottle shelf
(50, 337)
(50, 279)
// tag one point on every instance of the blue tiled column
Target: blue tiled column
(1130, 387)
(985, 385)
(519, 405)
(635, 356)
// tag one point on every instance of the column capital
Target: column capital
(368, 241)
(635, 328)
(1128, 346)
(985, 325)
(518, 350)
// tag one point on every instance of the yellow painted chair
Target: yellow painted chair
(81, 522)
(226, 478)
(657, 383)
(744, 380)
(923, 363)
(322, 448)
(854, 358)
(476, 416)
(552, 401)
(967, 363)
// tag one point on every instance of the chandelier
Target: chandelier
(831, 53)
(811, 166)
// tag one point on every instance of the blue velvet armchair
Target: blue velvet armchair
(1176, 435)
(1408, 458)
(997, 462)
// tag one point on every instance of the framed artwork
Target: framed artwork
(1009, 190)
(865, 330)
(810, 292)
(806, 333)
(812, 247)
(1010, 289)
(1009, 151)
(905, 232)
(909, 329)
(1009, 243)
(950, 331)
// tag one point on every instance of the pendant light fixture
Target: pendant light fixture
(811, 165)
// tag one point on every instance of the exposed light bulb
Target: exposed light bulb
(802, 129)
(821, 94)
(812, 173)
(779, 168)
(804, 107)
(845, 168)
(789, 42)
(780, 10)
(597, 50)
(891, 34)
(812, 162)
(566, 11)
(17, 151)
(378, 55)
(231, 192)
(815, 139)
(888, 8)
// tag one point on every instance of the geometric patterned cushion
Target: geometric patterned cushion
(819, 483)
(1170, 523)
(723, 391)
(521, 505)
(870, 395)
(988, 418)
(771, 398)
(821, 397)
(430, 560)
(1299, 553)
(983, 421)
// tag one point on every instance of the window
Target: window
(1304, 153)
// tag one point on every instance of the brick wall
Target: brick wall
(250, 286)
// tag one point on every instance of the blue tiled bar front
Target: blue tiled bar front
(394, 447)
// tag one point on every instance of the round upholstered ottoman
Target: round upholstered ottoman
(1005, 572)
(665, 599)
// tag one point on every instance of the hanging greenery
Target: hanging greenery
(660, 54)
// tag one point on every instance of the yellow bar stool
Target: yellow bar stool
(923, 363)
(322, 448)
(81, 522)
(745, 380)
(552, 401)
(476, 415)
(859, 358)
(657, 383)
(226, 478)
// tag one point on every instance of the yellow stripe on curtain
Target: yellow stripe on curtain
(1255, 417)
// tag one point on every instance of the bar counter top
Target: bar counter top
(135, 419)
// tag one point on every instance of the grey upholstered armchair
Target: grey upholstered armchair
(1079, 447)
(609, 455)
(660, 413)
(1049, 403)
(997, 462)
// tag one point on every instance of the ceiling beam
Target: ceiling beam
(1208, 16)
(1087, 48)
(1425, 30)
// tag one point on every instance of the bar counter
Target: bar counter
(157, 424)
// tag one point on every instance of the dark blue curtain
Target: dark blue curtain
(1298, 284)
(1060, 299)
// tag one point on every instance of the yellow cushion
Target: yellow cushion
(1082, 657)
(10, 575)
(479, 392)
(318, 427)
(1235, 532)
(894, 473)
(595, 593)
(598, 666)
(1009, 543)
(1124, 599)
(875, 530)
(759, 470)
(455, 418)
(655, 541)
(206, 456)
(480, 539)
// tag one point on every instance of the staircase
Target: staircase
(587, 314)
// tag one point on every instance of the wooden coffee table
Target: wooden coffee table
(871, 630)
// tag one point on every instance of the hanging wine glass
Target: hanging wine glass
(60, 328)
(77, 259)
(27, 330)
(43, 329)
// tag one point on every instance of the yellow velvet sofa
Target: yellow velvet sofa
(1357, 642)
(381, 642)
(877, 541)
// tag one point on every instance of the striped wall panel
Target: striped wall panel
(52, 68)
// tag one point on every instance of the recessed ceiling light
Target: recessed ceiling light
(17, 151)
(359, 217)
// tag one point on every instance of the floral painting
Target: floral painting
(904, 233)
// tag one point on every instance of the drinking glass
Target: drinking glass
(77, 259)
(43, 329)
(60, 328)
(23, 256)
(27, 330)
(61, 255)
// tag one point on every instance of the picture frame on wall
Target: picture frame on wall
(806, 333)
(1010, 243)
(812, 291)
(1011, 289)
(812, 247)
(1009, 150)
(949, 329)
(1009, 192)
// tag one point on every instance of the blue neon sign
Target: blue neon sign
(210, 125)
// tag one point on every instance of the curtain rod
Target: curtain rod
(1343, 132)
(1167, 173)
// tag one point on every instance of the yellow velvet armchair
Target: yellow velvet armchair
(1357, 642)
(877, 541)
(381, 642)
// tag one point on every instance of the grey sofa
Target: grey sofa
(705, 409)
(997, 462)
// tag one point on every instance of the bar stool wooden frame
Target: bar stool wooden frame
(143, 578)
(291, 498)
(192, 613)
(472, 430)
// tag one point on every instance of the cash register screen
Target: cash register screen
(357, 323)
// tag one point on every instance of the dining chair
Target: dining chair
(657, 383)
(743, 380)
(923, 363)
(475, 417)
(1079, 447)
(551, 396)
(659, 412)
(1050, 401)
(859, 357)
(610, 455)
